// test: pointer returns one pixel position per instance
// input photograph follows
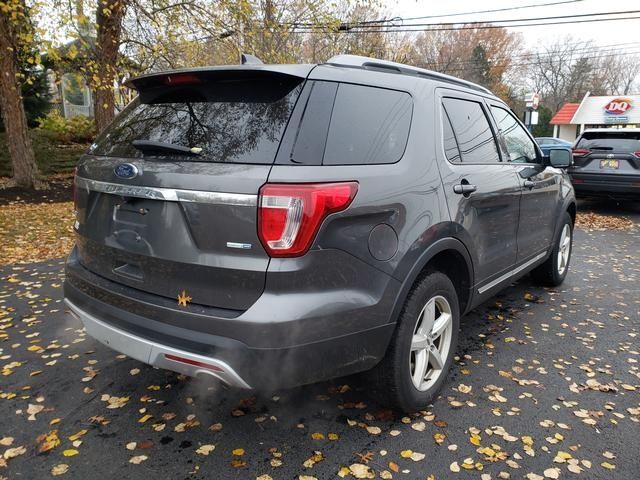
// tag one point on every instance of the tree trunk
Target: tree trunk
(109, 16)
(25, 171)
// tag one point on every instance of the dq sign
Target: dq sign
(618, 106)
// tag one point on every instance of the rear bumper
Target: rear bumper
(156, 354)
(279, 341)
(605, 183)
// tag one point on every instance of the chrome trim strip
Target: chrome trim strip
(242, 246)
(168, 194)
(513, 272)
(153, 353)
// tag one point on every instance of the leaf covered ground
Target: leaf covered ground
(546, 384)
(33, 232)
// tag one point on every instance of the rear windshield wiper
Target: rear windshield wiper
(152, 146)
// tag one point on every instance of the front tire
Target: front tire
(423, 345)
(554, 270)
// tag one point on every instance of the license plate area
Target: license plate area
(610, 163)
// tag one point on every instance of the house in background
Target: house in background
(596, 112)
(71, 95)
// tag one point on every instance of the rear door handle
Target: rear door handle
(529, 184)
(464, 188)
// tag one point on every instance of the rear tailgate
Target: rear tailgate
(616, 152)
(170, 222)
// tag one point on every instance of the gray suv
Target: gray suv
(277, 225)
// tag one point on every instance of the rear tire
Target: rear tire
(554, 270)
(422, 347)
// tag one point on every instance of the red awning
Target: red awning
(565, 114)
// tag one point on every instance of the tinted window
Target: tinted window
(449, 143)
(232, 121)
(368, 125)
(311, 136)
(616, 141)
(472, 130)
(517, 143)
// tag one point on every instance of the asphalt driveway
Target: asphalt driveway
(547, 385)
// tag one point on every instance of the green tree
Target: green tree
(543, 128)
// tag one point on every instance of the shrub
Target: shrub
(78, 129)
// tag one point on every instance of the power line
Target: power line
(494, 10)
(484, 26)
(529, 64)
(457, 14)
(483, 22)
(597, 51)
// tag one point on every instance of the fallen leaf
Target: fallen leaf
(205, 449)
(359, 470)
(33, 410)
(71, 452)
(138, 459)
(59, 469)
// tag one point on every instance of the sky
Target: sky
(601, 33)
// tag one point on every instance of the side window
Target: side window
(369, 125)
(472, 131)
(451, 150)
(518, 144)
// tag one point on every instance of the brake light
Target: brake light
(289, 215)
(181, 79)
(637, 154)
(581, 152)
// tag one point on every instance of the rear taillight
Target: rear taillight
(637, 154)
(289, 215)
(580, 152)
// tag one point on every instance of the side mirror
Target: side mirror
(560, 157)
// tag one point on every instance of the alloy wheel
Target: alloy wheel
(564, 249)
(431, 343)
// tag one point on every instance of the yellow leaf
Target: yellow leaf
(144, 418)
(406, 453)
(183, 299)
(333, 436)
(608, 466)
(71, 452)
(76, 436)
(238, 451)
(317, 436)
(475, 439)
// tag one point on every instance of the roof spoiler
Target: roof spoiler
(251, 69)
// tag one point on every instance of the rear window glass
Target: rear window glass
(472, 130)
(230, 121)
(368, 125)
(616, 141)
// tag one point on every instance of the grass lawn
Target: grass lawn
(50, 157)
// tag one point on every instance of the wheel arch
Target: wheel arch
(449, 256)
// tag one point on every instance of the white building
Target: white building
(614, 111)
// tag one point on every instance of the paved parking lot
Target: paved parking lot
(547, 385)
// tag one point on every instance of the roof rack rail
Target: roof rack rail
(358, 61)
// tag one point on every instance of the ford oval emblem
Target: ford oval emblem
(126, 170)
